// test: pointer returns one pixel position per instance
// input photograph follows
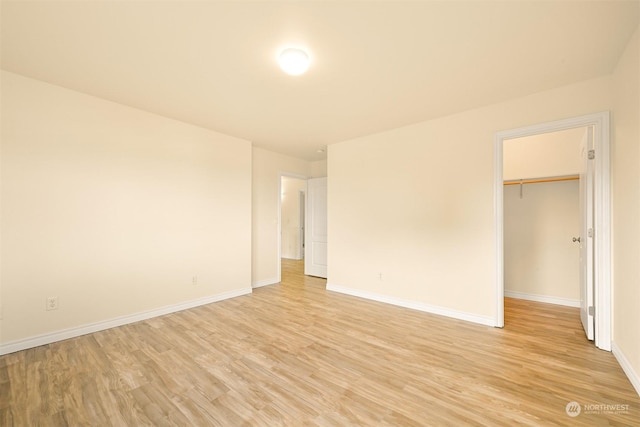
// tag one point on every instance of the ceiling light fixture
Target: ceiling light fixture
(293, 61)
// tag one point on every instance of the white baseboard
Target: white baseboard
(266, 282)
(543, 298)
(633, 376)
(442, 311)
(77, 331)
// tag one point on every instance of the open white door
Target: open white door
(303, 219)
(315, 247)
(586, 234)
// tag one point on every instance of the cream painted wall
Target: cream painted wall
(290, 217)
(267, 168)
(415, 204)
(318, 169)
(539, 255)
(545, 155)
(626, 206)
(114, 210)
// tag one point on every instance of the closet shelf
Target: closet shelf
(540, 180)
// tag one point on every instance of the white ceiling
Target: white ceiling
(376, 65)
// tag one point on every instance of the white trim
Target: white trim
(633, 376)
(498, 209)
(280, 175)
(266, 282)
(442, 311)
(77, 331)
(600, 122)
(543, 298)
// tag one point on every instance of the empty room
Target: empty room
(225, 213)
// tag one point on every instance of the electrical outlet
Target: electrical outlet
(52, 303)
(194, 280)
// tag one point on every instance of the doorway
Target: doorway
(291, 187)
(542, 217)
(302, 223)
(599, 122)
(292, 192)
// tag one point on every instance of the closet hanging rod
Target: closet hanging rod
(540, 180)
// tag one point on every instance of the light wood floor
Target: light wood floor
(295, 354)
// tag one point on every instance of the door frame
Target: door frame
(280, 176)
(602, 214)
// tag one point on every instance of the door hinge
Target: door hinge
(590, 232)
(592, 154)
(592, 311)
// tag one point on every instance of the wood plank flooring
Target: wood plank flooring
(294, 354)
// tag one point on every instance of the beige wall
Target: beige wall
(267, 169)
(540, 258)
(114, 210)
(545, 155)
(290, 217)
(415, 204)
(626, 206)
(318, 169)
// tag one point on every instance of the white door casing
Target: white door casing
(315, 257)
(586, 235)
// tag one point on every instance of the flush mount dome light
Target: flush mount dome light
(293, 61)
